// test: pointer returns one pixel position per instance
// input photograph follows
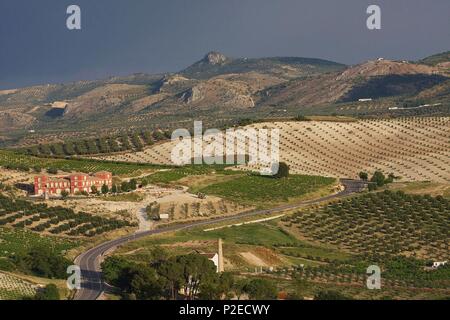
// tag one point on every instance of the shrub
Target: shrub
(50, 292)
(105, 189)
(378, 178)
(330, 295)
(364, 176)
(301, 118)
(52, 170)
(41, 261)
(261, 289)
(283, 171)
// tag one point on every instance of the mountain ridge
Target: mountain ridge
(221, 88)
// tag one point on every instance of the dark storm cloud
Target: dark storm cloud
(122, 36)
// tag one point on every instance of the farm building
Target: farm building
(76, 182)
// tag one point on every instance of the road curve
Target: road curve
(89, 262)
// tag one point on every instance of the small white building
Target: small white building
(164, 216)
(365, 100)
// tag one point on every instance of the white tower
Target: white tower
(221, 267)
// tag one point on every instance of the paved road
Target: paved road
(89, 262)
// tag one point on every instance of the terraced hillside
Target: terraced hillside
(415, 149)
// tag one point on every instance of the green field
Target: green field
(254, 234)
(9, 158)
(243, 238)
(262, 234)
(175, 174)
(262, 191)
(239, 186)
(265, 234)
(15, 242)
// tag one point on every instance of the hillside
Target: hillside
(436, 59)
(373, 79)
(383, 67)
(15, 120)
(415, 149)
(220, 91)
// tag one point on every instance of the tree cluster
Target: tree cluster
(191, 276)
(43, 262)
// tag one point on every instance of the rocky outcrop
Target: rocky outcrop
(192, 95)
(215, 58)
(173, 78)
(219, 93)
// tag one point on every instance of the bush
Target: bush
(301, 118)
(52, 170)
(330, 295)
(50, 292)
(105, 189)
(378, 178)
(283, 171)
(261, 289)
(364, 176)
(43, 262)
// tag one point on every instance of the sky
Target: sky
(120, 37)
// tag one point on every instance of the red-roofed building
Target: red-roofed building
(76, 182)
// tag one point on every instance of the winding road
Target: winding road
(89, 262)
